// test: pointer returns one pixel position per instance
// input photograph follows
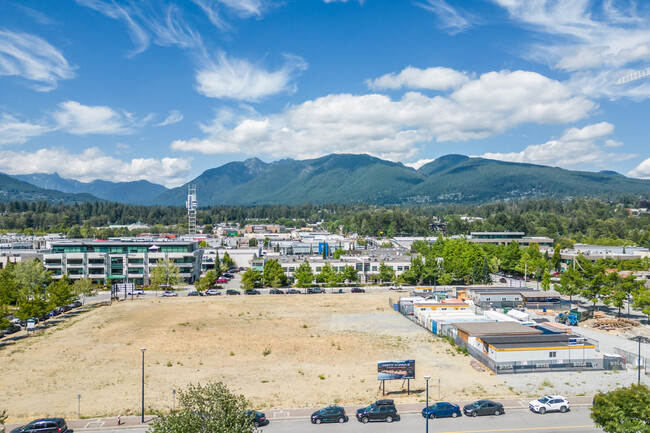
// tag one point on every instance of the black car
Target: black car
(276, 292)
(43, 425)
(228, 275)
(12, 329)
(232, 292)
(332, 413)
(381, 410)
(294, 292)
(357, 290)
(195, 293)
(258, 418)
(252, 292)
(483, 407)
(315, 290)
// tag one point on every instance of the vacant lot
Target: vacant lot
(279, 351)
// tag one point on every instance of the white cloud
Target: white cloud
(14, 131)
(174, 116)
(437, 78)
(394, 129)
(157, 21)
(93, 164)
(575, 148)
(419, 163)
(84, 119)
(230, 78)
(642, 170)
(33, 58)
(240, 8)
(596, 41)
(451, 19)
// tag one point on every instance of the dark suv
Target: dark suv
(381, 410)
(312, 290)
(329, 414)
(43, 425)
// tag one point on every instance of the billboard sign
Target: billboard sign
(394, 370)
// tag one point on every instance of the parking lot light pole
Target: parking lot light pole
(143, 350)
(427, 422)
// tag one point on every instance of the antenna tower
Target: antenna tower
(191, 205)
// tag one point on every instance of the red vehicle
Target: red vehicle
(222, 280)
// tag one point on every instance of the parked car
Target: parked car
(228, 275)
(440, 410)
(195, 293)
(12, 329)
(212, 292)
(483, 407)
(222, 280)
(357, 290)
(232, 292)
(294, 292)
(276, 292)
(332, 413)
(252, 292)
(258, 418)
(43, 425)
(169, 294)
(135, 292)
(503, 280)
(549, 403)
(381, 410)
(312, 290)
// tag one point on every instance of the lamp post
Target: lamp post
(427, 379)
(143, 350)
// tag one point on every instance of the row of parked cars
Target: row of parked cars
(17, 324)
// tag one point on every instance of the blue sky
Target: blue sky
(163, 90)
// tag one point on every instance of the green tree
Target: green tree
(571, 283)
(641, 300)
(304, 275)
(60, 293)
(624, 410)
(445, 279)
(208, 229)
(329, 275)
(211, 408)
(338, 253)
(84, 287)
(164, 273)
(32, 297)
(207, 281)
(252, 242)
(595, 288)
(74, 233)
(227, 261)
(386, 273)
(546, 281)
(349, 273)
(251, 279)
(274, 275)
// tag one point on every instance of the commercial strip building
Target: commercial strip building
(601, 252)
(121, 261)
(506, 238)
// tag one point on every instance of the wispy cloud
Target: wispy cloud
(33, 58)
(14, 131)
(93, 164)
(231, 78)
(437, 78)
(450, 19)
(80, 119)
(214, 9)
(155, 22)
(575, 148)
(394, 129)
(174, 116)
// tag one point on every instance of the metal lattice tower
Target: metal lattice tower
(191, 205)
(633, 76)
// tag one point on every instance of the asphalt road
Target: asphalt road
(513, 421)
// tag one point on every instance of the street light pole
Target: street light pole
(639, 371)
(143, 350)
(427, 379)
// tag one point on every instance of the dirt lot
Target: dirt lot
(279, 351)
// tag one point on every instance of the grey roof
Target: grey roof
(540, 294)
(535, 341)
(494, 328)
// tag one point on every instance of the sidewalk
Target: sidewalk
(130, 422)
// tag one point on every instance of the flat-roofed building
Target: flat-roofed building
(506, 238)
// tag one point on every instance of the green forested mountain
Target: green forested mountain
(361, 178)
(12, 189)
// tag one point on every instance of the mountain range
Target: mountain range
(346, 178)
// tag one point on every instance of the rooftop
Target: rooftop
(495, 328)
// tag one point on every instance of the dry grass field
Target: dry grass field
(279, 351)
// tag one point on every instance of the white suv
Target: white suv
(549, 403)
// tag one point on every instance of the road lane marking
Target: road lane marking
(523, 428)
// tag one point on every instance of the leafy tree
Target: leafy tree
(624, 410)
(641, 300)
(621, 289)
(211, 408)
(386, 273)
(60, 293)
(304, 274)
(338, 253)
(274, 275)
(165, 272)
(208, 228)
(74, 233)
(207, 281)
(32, 297)
(445, 279)
(595, 288)
(252, 242)
(571, 283)
(251, 279)
(546, 281)
(329, 275)
(349, 273)
(84, 287)
(227, 261)
(556, 258)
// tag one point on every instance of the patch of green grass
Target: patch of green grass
(267, 351)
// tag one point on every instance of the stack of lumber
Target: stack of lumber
(612, 324)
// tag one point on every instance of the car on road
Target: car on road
(294, 292)
(232, 292)
(549, 403)
(357, 290)
(12, 329)
(169, 294)
(331, 413)
(503, 280)
(483, 407)
(313, 290)
(135, 292)
(43, 425)
(276, 292)
(194, 293)
(222, 280)
(440, 410)
(228, 275)
(212, 292)
(252, 292)
(258, 418)
(381, 410)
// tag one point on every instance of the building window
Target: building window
(374, 268)
(318, 268)
(399, 268)
(552, 354)
(487, 299)
(406, 268)
(503, 299)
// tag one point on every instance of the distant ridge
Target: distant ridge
(12, 189)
